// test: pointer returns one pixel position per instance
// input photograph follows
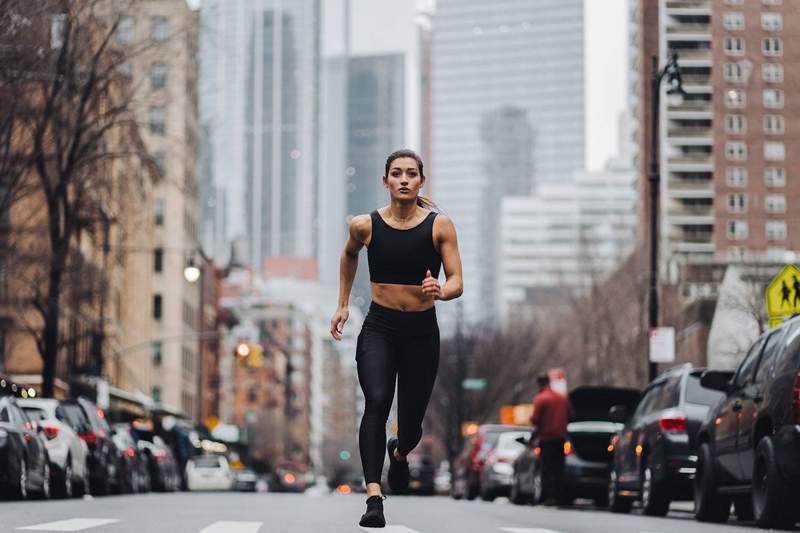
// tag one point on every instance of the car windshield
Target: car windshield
(507, 442)
(36, 414)
(206, 462)
(697, 394)
(75, 416)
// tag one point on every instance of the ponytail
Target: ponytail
(427, 203)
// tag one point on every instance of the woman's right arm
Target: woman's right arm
(358, 233)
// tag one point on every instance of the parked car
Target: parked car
(24, 463)
(88, 421)
(749, 451)
(245, 480)
(132, 464)
(497, 473)
(67, 452)
(655, 454)
(467, 468)
(421, 473)
(287, 477)
(209, 472)
(162, 468)
(587, 450)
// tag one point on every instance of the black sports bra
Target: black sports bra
(402, 256)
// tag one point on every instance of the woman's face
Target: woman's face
(404, 180)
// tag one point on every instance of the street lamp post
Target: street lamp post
(673, 75)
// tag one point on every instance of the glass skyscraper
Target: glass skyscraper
(501, 67)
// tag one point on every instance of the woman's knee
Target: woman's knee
(378, 403)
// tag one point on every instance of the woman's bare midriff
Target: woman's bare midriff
(401, 297)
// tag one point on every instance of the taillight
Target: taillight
(673, 422)
(90, 437)
(567, 448)
(50, 432)
(161, 456)
(129, 452)
(796, 399)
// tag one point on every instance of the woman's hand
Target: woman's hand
(337, 322)
(431, 287)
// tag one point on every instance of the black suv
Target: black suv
(655, 454)
(750, 444)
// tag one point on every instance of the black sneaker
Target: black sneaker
(398, 470)
(374, 515)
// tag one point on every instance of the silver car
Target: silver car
(66, 450)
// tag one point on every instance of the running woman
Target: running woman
(407, 242)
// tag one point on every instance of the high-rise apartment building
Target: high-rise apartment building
(259, 121)
(728, 149)
(165, 77)
(501, 67)
(562, 239)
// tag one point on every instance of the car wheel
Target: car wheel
(772, 497)
(517, 497)
(65, 489)
(709, 505)
(616, 503)
(536, 499)
(45, 492)
(22, 488)
(655, 501)
(487, 495)
(601, 500)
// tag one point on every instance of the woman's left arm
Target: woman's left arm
(451, 258)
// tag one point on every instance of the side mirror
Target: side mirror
(618, 413)
(522, 440)
(716, 380)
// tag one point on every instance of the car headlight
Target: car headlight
(503, 468)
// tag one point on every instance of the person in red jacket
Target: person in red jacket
(551, 412)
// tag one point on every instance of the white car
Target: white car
(67, 451)
(209, 472)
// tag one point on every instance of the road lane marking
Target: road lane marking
(73, 524)
(528, 530)
(390, 529)
(233, 527)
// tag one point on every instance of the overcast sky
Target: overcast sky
(606, 77)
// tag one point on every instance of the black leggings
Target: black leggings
(402, 344)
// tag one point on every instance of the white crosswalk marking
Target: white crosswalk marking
(73, 524)
(528, 530)
(391, 529)
(233, 527)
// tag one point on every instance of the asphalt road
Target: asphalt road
(304, 513)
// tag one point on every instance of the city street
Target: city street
(291, 513)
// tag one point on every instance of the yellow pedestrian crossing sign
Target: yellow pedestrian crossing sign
(783, 295)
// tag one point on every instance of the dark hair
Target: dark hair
(422, 201)
(543, 380)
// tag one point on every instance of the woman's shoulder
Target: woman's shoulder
(361, 226)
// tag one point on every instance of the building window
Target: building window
(775, 203)
(252, 394)
(160, 160)
(126, 30)
(158, 211)
(772, 21)
(159, 28)
(737, 203)
(734, 72)
(772, 72)
(158, 75)
(772, 46)
(156, 394)
(774, 124)
(773, 98)
(737, 230)
(125, 71)
(736, 176)
(733, 20)
(734, 2)
(157, 303)
(735, 98)
(774, 151)
(735, 151)
(156, 348)
(186, 356)
(735, 123)
(158, 120)
(2, 351)
(158, 260)
(57, 25)
(775, 177)
(734, 46)
(772, 2)
(775, 230)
